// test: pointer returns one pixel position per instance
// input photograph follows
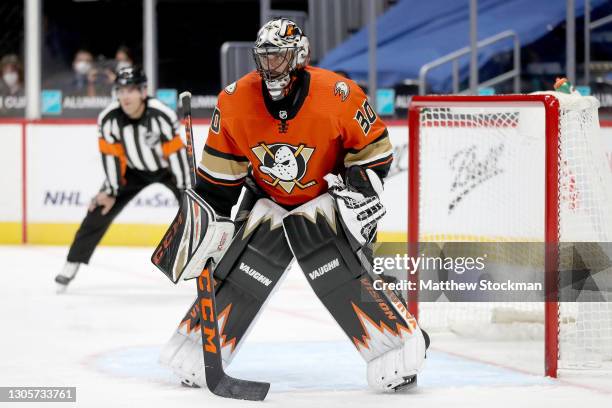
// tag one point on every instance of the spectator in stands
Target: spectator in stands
(11, 80)
(123, 59)
(87, 79)
(83, 81)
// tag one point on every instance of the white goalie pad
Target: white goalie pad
(213, 244)
(391, 369)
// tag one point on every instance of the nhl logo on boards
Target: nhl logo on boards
(285, 164)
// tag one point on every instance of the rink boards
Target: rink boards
(51, 169)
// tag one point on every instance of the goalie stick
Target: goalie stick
(217, 381)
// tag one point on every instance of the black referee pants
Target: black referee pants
(95, 224)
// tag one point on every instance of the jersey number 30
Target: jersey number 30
(365, 116)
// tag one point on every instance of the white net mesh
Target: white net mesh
(482, 178)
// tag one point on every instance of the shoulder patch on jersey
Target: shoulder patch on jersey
(230, 89)
(342, 89)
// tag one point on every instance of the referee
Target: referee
(140, 144)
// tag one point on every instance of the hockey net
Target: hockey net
(516, 168)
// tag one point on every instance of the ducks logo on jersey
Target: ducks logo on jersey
(285, 164)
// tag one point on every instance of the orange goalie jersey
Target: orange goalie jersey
(324, 126)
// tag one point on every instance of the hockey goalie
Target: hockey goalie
(311, 155)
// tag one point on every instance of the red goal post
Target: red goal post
(436, 115)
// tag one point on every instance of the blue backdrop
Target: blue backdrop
(415, 32)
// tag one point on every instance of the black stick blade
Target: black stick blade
(235, 388)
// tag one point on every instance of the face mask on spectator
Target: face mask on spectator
(82, 67)
(10, 78)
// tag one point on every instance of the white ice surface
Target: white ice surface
(103, 336)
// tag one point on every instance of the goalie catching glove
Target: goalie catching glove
(358, 202)
(197, 234)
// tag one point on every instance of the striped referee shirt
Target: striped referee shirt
(151, 143)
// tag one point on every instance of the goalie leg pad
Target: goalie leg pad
(183, 352)
(378, 323)
(245, 278)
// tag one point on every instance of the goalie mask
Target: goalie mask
(280, 51)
